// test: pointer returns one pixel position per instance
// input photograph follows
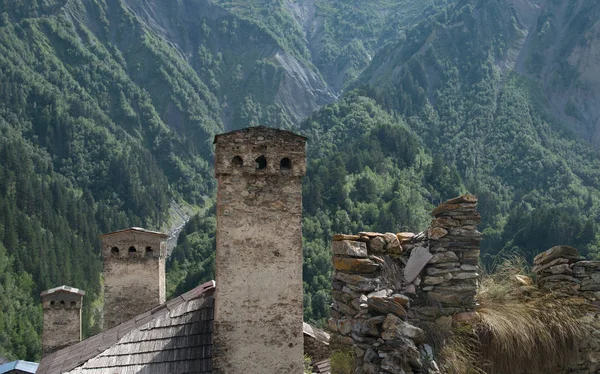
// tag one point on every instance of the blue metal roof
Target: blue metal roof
(23, 366)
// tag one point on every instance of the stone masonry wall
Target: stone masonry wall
(134, 282)
(386, 284)
(61, 321)
(564, 272)
(258, 269)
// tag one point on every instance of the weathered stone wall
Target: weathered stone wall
(564, 272)
(134, 281)
(451, 276)
(385, 285)
(62, 321)
(258, 310)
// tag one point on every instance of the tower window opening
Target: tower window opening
(52, 303)
(149, 251)
(132, 250)
(114, 250)
(237, 162)
(62, 303)
(285, 164)
(73, 304)
(261, 163)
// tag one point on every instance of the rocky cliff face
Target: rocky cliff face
(237, 59)
(561, 52)
(552, 46)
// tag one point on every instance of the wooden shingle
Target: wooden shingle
(175, 337)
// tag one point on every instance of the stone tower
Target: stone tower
(258, 299)
(62, 318)
(134, 273)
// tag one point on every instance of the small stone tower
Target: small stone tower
(62, 318)
(258, 297)
(134, 273)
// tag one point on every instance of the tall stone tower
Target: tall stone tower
(62, 318)
(134, 273)
(258, 299)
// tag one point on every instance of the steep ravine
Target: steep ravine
(293, 86)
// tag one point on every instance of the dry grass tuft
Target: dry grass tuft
(521, 330)
(459, 355)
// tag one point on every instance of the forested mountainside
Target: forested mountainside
(436, 113)
(108, 109)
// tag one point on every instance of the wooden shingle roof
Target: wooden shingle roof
(322, 367)
(175, 337)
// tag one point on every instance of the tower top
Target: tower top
(266, 132)
(135, 229)
(66, 289)
(260, 151)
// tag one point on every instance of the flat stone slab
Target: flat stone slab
(338, 237)
(466, 198)
(444, 257)
(560, 251)
(349, 248)
(370, 234)
(354, 265)
(405, 236)
(419, 257)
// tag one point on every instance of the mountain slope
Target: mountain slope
(337, 37)
(108, 109)
(105, 123)
(435, 114)
(449, 78)
(552, 45)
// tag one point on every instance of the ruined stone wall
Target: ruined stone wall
(61, 321)
(564, 272)
(134, 281)
(258, 308)
(386, 285)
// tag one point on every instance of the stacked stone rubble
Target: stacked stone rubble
(452, 274)
(379, 275)
(563, 271)
(368, 314)
(554, 272)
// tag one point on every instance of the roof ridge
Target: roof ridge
(136, 229)
(259, 128)
(63, 288)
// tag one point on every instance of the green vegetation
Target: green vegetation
(84, 150)
(105, 118)
(366, 171)
(353, 31)
(342, 362)
(307, 365)
(193, 261)
(447, 122)
(537, 185)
